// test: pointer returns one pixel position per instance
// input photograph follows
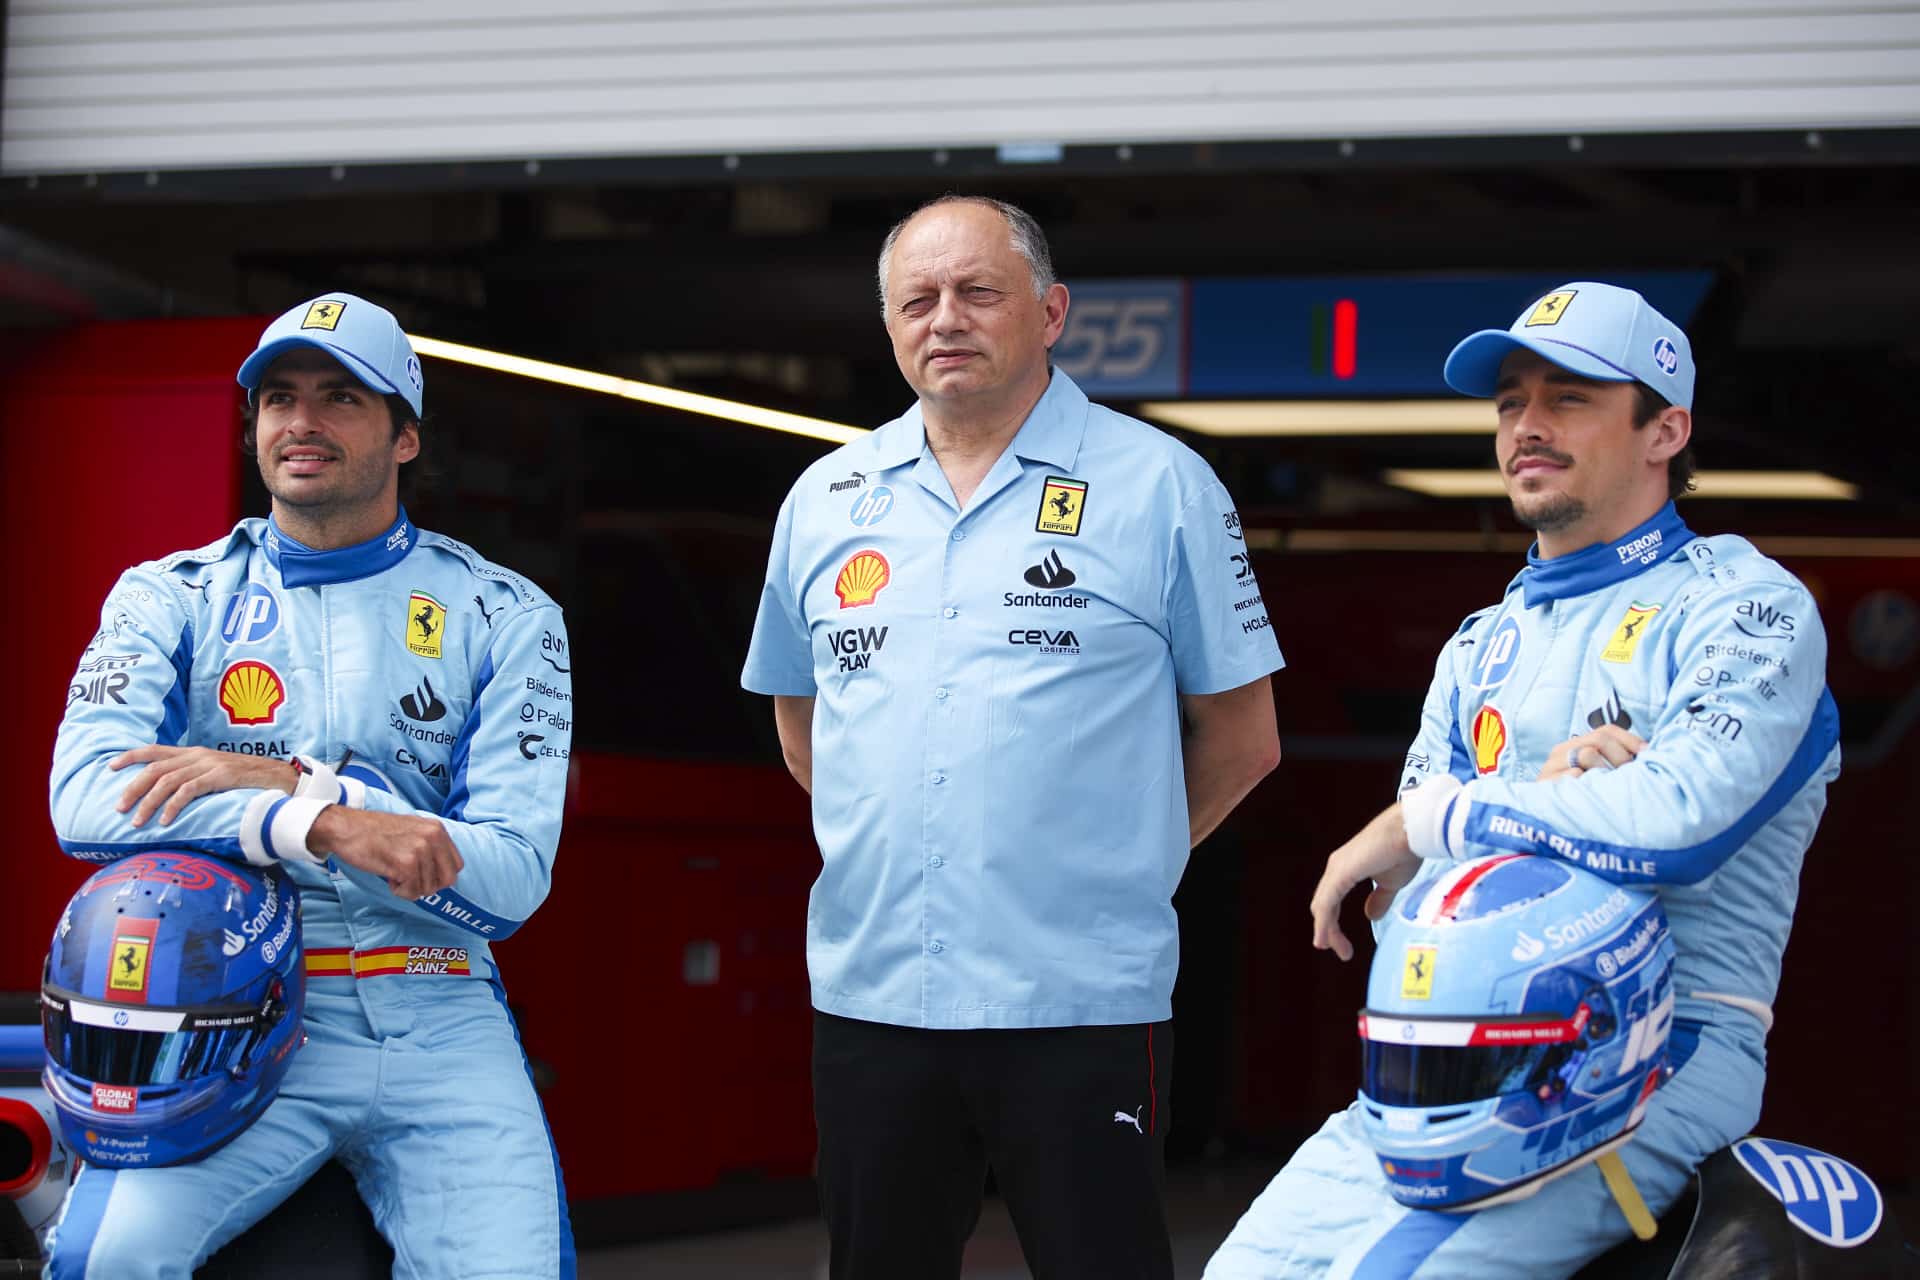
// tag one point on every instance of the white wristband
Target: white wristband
(274, 828)
(1436, 816)
(318, 781)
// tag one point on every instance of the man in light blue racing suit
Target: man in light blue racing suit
(388, 715)
(1646, 703)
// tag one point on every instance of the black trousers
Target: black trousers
(1072, 1120)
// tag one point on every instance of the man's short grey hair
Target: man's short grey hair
(1029, 241)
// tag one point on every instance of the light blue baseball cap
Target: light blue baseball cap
(1596, 330)
(361, 335)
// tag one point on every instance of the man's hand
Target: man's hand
(1607, 747)
(176, 775)
(1378, 853)
(414, 855)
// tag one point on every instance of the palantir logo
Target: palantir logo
(1824, 1196)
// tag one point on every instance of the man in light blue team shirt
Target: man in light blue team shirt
(1019, 659)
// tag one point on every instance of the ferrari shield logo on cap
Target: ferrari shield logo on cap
(1550, 308)
(1061, 503)
(1626, 636)
(324, 314)
(1416, 977)
(426, 622)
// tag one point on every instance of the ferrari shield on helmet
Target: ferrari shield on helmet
(1516, 1025)
(171, 1006)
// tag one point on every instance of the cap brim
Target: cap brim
(1473, 369)
(257, 364)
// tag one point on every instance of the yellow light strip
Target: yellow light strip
(1479, 483)
(646, 392)
(1452, 417)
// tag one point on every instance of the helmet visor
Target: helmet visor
(1437, 1062)
(106, 1044)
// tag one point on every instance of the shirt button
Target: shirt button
(959, 535)
(949, 612)
(939, 778)
(936, 862)
(936, 946)
(940, 694)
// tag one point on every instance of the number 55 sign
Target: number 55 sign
(1125, 337)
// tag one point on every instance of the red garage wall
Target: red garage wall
(117, 444)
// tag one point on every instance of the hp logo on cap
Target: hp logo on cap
(1666, 355)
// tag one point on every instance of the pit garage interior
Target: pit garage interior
(1267, 298)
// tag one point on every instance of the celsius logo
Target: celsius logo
(529, 742)
(1051, 573)
(1527, 947)
(422, 704)
(1762, 621)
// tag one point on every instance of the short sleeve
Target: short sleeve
(1217, 618)
(780, 657)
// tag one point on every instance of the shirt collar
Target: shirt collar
(302, 566)
(1051, 434)
(1604, 563)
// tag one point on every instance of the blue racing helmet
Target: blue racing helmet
(1516, 1024)
(171, 1006)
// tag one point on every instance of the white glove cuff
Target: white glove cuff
(274, 828)
(318, 781)
(1436, 816)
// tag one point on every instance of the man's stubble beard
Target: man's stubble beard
(1550, 514)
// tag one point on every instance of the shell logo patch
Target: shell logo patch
(1626, 636)
(861, 579)
(324, 314)
(128, 962)
(1416, 974)
(426, 623)
(1550, 308)
(1489, 738)
(252, 692)
(1061, 503)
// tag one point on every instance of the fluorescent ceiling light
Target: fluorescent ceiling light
(646, 392)
(1451, 417)
(1485, 483)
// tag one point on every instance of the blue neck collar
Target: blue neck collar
(1604, 563)
(302, 566)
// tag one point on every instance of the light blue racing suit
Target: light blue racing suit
(414, 677)
(1717, 657)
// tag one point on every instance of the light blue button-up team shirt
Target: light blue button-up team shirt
(997, 784)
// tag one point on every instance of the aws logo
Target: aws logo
(1760, 620)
